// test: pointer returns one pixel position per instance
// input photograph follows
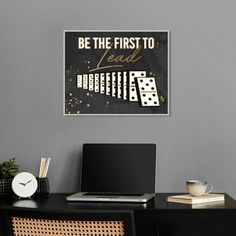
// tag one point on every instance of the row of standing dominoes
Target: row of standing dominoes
(127, 85)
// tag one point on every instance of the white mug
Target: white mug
(198, 188)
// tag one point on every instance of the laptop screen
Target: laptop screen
(127, 168)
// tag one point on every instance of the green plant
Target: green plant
(9, 168)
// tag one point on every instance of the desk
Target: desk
(172, 219)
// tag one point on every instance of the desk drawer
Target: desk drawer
(197, 223)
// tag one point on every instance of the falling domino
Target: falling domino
(96, 83)
(79, 81)
(108, 83)
(85, 81)
(113, 84)
(119, 84)
(132, 92)
(102, 83)
(147, 91)
(90, 82)
(124, 85)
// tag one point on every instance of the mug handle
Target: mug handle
(211, 186)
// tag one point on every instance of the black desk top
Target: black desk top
(57, 202)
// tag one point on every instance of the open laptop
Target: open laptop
(117, 173)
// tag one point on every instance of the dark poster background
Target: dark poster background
(82, 61)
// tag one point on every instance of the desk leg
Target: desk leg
(3, 224)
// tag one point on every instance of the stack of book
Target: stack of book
(188, 199)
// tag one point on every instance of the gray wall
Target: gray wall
(197, 140)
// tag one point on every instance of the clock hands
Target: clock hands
(28, 182)
(24, 184)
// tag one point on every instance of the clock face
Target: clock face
(24, 184)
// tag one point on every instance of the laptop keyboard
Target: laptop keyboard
(113, 194)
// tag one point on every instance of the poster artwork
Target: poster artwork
(116, 73)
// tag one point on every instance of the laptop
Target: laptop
(117, 173)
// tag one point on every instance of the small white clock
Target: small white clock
(24, 184)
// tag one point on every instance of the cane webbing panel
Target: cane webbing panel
(43, 227)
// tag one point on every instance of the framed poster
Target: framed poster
(116, 72)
